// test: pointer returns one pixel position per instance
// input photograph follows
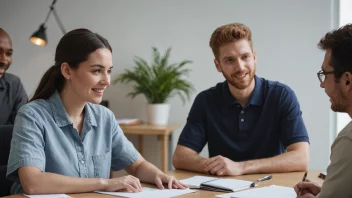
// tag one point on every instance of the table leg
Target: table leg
(164, 152)
(170, 153)
(141, 143)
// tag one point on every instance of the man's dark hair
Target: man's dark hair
(339, 41)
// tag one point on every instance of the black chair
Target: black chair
(5, 145)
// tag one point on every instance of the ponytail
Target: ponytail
(50, 82)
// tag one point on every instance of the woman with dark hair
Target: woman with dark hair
(63, 141)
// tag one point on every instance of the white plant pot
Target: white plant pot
(158, 114)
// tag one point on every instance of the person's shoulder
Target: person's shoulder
(213, 91)
(37, 107)
(100, 111)
(98, 108)
(346, 132)
(343, 142)
(11, 78)
(278, 86)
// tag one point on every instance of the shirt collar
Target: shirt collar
(89, 115)
(60, 115)
(257, 94)
(2, 82)
(256, 97)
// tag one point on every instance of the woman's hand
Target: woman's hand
(171, 182)
(127, 183)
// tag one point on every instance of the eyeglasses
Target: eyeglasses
(322, 75)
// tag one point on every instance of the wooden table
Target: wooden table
(282, 179)
(163, 133)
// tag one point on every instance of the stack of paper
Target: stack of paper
(264, 192)
(129, 121)
(216, 184)
(196, 181)
(151, 192)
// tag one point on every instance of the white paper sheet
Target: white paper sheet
(264, 192)
(126, 120)
(151, 193)
(48, 196)
(234, 184)
(195, 181)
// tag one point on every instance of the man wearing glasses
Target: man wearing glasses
(322, 75)
(336, 77)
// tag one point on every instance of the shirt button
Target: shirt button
(82, 162)
(242, 120)
(242, 112)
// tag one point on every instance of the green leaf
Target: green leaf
(159, 80)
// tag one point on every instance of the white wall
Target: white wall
(285, 36)
(345, 16)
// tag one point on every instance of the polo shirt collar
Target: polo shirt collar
(257, 94)
(60, 115)
(256, 97)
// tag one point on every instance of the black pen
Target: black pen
(303, 180)
(261, 179)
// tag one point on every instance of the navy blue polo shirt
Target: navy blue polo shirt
(269, 122)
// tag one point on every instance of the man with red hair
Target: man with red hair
(251, 125)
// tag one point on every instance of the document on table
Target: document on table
(48, 196)
(196, 181)
(151, 192)
(272, 191)
(216, 184)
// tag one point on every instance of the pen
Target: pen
(261, 179)
(265, 178)
(304, 179)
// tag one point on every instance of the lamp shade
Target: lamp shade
(39, 37)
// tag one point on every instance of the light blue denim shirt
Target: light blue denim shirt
(44, 137)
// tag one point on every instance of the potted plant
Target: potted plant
(157, 81)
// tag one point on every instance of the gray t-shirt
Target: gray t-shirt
(12, 97)
(339, 173)
(44, 137)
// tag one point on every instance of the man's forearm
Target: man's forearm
(286, 162)
(192, 162)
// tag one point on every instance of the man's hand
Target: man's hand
(127, 183)
(310, 189)
(169, 180)
(220, 165)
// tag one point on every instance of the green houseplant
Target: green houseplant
(157, 81)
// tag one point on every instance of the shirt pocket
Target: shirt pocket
(102, 165)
